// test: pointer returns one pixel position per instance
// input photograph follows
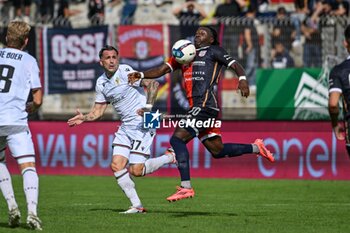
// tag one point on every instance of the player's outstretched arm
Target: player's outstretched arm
(149, 74)
(96, 112)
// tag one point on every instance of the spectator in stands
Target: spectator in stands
(128, 12)
(331, 7)
(283, 31)
(230, 8)
(251, 47)
(312, 54)
(21, 5)
(63, 14)
(280, 57)
(340, 8)
(301, 11)
(46, 10)
(189, 13)
(96, 12)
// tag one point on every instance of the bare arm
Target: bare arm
(243, 84)
(37, 101)
(149, 74)
(96, 112)
(333, 109)
(157, 72)
(152, 89)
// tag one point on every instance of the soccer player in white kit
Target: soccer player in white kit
(19, 74)
(132, 142)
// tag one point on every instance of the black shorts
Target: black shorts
(202, 122)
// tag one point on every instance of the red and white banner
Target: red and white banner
(303, 150)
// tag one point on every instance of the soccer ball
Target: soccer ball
(183, 51)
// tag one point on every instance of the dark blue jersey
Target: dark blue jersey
(202, 75)
(339, 81)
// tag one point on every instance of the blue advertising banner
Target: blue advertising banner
(71, 62)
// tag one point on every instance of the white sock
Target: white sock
(6, 187)
(31, 188)
(128, 186)
(186, 184)
(154, 164)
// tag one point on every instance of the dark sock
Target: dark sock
(182, 157)
(234, 149)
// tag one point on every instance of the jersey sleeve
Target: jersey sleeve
(99, 96)
(222, 56)
(125, 70)
(335, 84)
(173, 64)
(34, 76)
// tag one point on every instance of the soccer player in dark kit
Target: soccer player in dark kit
(200, 78)
(339, 85)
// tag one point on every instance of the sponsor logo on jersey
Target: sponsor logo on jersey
(198, 63)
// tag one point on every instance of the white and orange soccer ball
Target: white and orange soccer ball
(183, 51)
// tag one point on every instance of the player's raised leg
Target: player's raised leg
(152, 165)
(222, 150)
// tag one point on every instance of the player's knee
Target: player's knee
(116, 166)
(175, 141)
(136, 170)
(216, 151)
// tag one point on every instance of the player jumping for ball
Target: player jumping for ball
(200, 78)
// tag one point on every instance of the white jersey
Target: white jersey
(19, 73)
(125, 99)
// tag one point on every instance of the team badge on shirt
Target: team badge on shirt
(202, 53)
(117, 81)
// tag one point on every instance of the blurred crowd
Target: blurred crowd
(295, 32)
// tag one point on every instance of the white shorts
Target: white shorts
(135, 144)
(21, 147)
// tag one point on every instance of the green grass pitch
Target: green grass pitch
(78, 204)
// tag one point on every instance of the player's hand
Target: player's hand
(76, 120)
(30, 108)
(141, 111)
(339, 132)
(243, 86)
(133, 77)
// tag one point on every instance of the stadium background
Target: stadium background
(287, 107)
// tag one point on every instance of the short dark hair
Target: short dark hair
(109, 48)
(213, 33)
(347, 34)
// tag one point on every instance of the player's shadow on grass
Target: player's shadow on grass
(5, 225)
(178, 214)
